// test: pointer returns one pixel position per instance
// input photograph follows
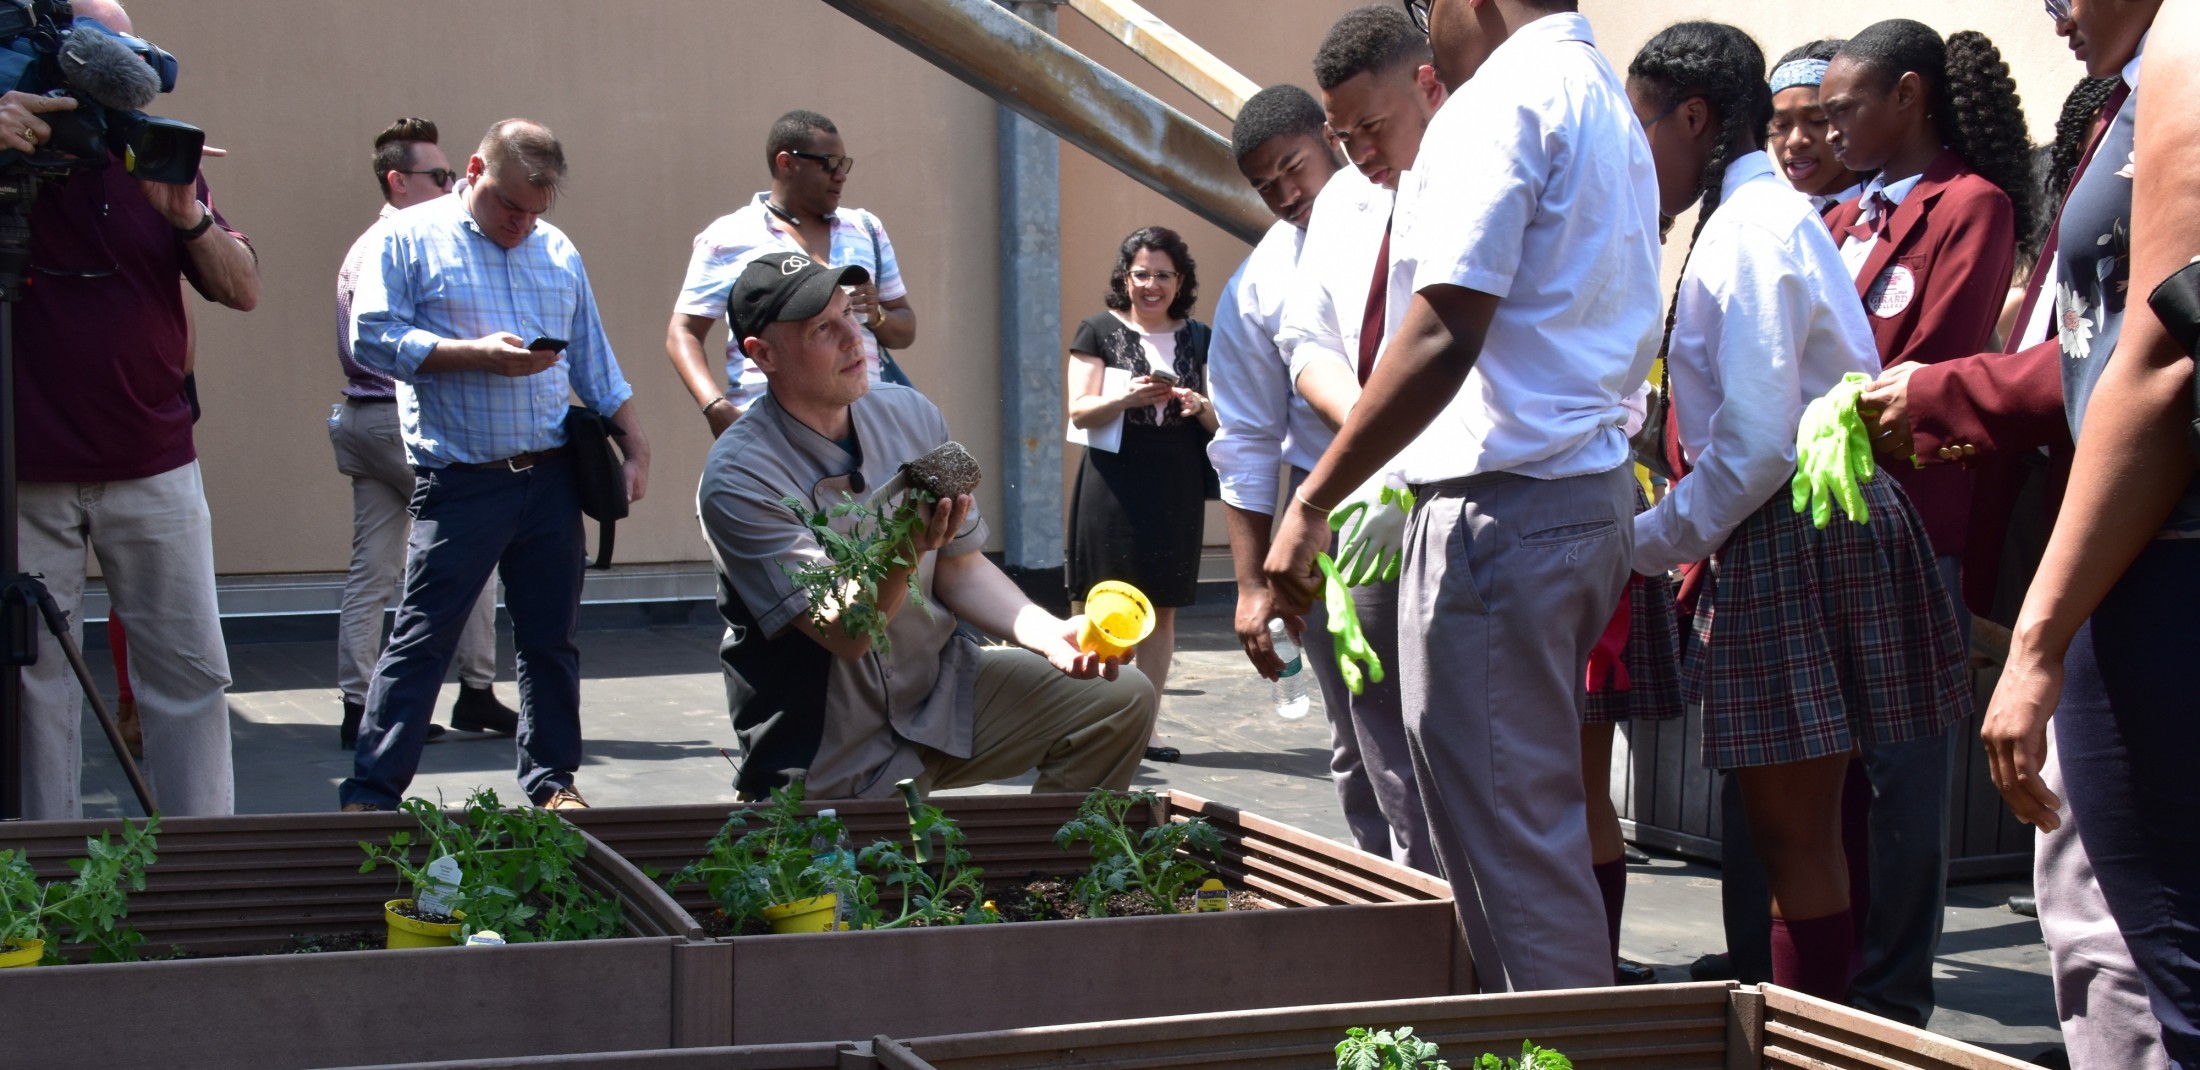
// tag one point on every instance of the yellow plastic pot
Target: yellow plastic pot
(1117, 618)
(411, 932)
(812, 915)
(26, 953)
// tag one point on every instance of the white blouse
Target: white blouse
(1768, 321)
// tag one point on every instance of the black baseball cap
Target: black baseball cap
(784, 286)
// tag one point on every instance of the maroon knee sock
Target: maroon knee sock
(1812, 956)
(1856, 842)
(1612, 881)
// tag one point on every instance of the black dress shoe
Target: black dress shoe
(1633, 973)
(479, 710)
(348, 734)
(1716, 966)
(2029, 906)
(1163, 754)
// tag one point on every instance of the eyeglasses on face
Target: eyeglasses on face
(1143, 277)
(1417, 10)
(2059, 10)
(836, 166)
(441, 176)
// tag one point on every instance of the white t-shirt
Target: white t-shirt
(1535, 184)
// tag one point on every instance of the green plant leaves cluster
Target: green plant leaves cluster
(1399, 1049)
(874, 546)
(94, 907)
(517, 866)
(1152, 865)
(776, 855)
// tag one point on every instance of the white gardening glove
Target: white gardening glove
(1372, 521)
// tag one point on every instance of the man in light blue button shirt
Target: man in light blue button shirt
(461, 282)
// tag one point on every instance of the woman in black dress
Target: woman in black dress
(1137, 513)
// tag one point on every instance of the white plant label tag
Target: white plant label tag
(434, 896)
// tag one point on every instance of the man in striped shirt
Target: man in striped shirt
(460, 284)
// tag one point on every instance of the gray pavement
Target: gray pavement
(656, 722)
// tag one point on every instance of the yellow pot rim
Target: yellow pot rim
(415, 925)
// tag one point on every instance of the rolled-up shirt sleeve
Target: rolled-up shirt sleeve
(383, 338)
(1252, 398)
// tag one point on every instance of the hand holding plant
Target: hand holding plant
(847, 590)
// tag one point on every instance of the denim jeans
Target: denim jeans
(467, 522)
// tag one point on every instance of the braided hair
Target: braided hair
(2072, 133)
(1725, 67)
(1973, 103)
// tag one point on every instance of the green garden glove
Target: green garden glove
(1372, 523)
(1833, 455)
(1344, 630)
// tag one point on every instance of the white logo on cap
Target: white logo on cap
(792, 264)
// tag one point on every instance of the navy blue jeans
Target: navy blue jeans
(465, 522)
(2128, 733)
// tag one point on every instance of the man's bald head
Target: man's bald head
(109, 13)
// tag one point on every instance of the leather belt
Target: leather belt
(518, 462)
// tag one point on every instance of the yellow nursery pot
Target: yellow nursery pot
(1117, 618)
(26, 953)
(410, 932)
(812, 915)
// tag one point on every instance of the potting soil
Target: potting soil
(1036, 898)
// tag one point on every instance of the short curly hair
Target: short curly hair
(1277, 111)
(1374, 38)
(1160, 240)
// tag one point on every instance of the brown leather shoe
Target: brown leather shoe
(133, 730)
(363, 808)
(565, 799)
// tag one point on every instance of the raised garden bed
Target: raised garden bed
(230, 890)
(1657, 1027)
(1382, 931)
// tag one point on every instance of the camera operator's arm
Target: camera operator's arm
(223, 267)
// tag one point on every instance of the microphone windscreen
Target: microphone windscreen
(105, 70)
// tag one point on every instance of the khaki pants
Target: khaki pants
(1079, 734)
(155, 542)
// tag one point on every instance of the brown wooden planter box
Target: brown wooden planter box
(1657, 1027)
(841, 1056)
(243, 885)
(1383, 932)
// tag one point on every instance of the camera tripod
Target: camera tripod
(24, 599)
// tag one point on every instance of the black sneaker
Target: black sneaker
(478, 710)
(1716, 966)
(348, 734)
(2029, 906)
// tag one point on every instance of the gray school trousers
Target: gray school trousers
(1508, 581)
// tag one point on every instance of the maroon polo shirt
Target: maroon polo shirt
(100, 335)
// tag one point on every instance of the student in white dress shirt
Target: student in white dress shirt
(1522, 310)
(1808, 641)
(1284, 151)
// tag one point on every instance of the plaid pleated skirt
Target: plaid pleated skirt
(1809, 641)
(1652, 658)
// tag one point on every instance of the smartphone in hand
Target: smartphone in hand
(1163, 376)
(547, 343)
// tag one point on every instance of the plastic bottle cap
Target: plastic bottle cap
(484, 938)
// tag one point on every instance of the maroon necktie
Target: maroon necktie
(1878, 212)
(1378, 308)
(2054, 234)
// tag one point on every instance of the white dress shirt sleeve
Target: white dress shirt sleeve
(1745, 313)
(1251, 388)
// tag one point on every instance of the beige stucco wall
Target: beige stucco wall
(662, 108)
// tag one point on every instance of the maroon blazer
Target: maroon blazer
(1932, 291)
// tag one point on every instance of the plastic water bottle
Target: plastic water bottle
(1291, 701)
(841, 858)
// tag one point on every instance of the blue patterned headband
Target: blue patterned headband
(1810, 72)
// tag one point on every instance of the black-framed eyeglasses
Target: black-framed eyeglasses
(2059, 10)
(1417, 10)
(836, 166)
(441, 176)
